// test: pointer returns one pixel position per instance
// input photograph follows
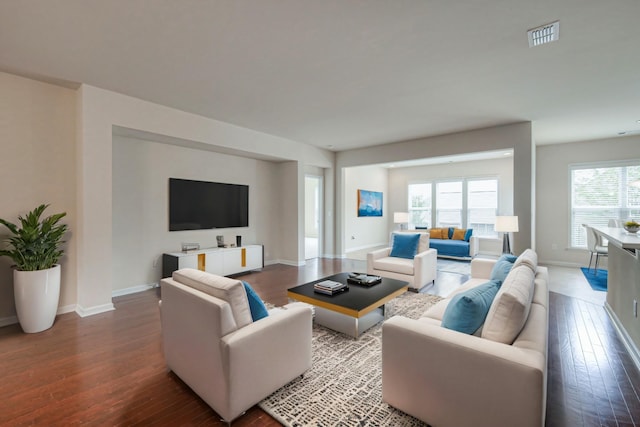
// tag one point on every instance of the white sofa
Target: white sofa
(449, 378)
(211, 342)
(419, 271)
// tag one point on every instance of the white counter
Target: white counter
(620, 237)
(623, 287)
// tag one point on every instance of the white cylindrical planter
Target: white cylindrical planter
(36, 294)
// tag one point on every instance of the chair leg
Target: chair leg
(597, 259)
(590, 259)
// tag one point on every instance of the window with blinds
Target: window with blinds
(482, 206)
(600, 193)
(465, 203)
(420, 205)
(449, 204)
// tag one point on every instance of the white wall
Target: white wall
(100, 110)
(329, 204)
(553, 192)
(516, 136)
(400, 178)
(365, 232)
(141, 172)
(291, 213)
(311, 187)
(37, 160)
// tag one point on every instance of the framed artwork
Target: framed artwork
(369, 203)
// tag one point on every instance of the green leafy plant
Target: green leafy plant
(36, 244)
(631, 224)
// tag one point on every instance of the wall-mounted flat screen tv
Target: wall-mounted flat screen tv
(198, 205)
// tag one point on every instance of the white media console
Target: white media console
(220, 261)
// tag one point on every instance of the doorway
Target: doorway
(312, 216)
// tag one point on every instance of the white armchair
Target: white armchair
(211, 342)
(419, 271)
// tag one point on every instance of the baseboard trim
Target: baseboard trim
(624, 336)
(90, 311)
(133, 290)
(6, 321)
(66, 309)
(291, 263)
(12, 320)
(369, 246)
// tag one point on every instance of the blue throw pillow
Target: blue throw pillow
(451, 230)
(405, 245)
(467, 310)
(468, 234)
(257, 307)
(508, 257)
(501, 268)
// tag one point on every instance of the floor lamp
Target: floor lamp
(506, 225)
(401, 218)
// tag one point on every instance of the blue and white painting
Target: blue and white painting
(369, 203)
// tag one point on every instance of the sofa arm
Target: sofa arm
(377, 254)
(481, 268)
(425, 267)
(267, 354)
(474, 246)
(447, 378)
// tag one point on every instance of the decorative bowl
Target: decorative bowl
(632, 228)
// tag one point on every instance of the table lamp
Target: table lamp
(506, 225)
(401, 218)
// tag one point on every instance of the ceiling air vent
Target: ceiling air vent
(545, 34)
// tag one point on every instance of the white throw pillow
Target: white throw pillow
(529, 258)
(510, 309)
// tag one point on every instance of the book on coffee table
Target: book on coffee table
(329, 284)
(330, 287)
(331, 292)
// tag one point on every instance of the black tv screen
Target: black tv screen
(198, 205)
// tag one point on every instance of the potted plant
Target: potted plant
(35, 248)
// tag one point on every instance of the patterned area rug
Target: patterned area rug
(344, 385)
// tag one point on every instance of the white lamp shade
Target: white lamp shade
(506, 224)
(400, 217)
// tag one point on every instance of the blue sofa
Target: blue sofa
(455, 249)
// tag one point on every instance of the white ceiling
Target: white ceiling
(343, 74)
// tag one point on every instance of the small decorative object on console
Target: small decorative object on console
(632, 226)
(364, 279)
(186, 247)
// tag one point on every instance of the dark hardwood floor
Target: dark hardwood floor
(592, 380)
(108, 369)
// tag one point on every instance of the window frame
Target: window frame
(465, 197)
(606, 164)
(497, 208)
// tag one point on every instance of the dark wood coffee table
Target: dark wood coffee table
(351, 312)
